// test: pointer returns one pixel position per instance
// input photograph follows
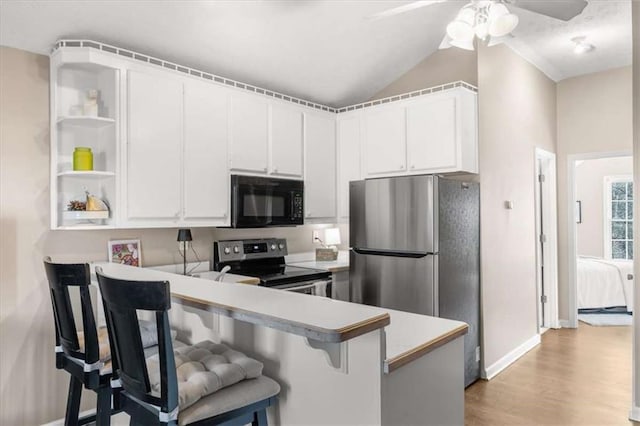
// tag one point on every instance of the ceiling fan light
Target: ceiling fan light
(482, 30)
(503, 25)
(497, 10)
(460, 30)
(463, 44)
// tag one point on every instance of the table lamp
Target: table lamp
(184, 236)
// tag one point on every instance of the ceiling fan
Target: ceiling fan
(491, 21)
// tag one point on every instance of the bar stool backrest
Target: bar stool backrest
(62, 276)
(122, 298)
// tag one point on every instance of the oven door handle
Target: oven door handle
(302, 287)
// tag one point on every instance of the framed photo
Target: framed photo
(578, 211)
(126, 252)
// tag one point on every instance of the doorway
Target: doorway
(576, 212)
(546, 240)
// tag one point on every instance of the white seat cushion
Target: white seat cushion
(230, 398)
(204, 368)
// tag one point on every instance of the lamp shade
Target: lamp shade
(332, 236)
(184, 235)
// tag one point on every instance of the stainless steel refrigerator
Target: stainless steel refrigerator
(415, 247)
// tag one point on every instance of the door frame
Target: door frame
(549, 215)
(572, 230)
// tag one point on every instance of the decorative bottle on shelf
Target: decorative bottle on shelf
(82, 158)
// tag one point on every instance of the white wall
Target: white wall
(590, 190)
(594, 115)
(635, 10)
(517, 113)
(28, 377)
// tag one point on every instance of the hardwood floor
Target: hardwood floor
(575, 377)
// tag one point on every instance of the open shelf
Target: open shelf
(86, 121)
(87, 174)
(85, 215)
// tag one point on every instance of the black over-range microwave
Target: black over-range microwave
(264, 201)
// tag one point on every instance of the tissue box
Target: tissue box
(326, 254)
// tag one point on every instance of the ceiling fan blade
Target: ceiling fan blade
(564, 10)
(402, 9)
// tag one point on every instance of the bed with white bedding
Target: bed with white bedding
(604, 283)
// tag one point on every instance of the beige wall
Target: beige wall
(594, 115)
(517, 112)
(590, 190)
(443, 66)
(32, 391)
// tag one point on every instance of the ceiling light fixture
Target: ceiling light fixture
(581, 46)
(484, 19)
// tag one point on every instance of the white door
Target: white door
(320, 167)
(206, 182)
(154, 147)
(348, 160)
(286, 141)
(249, 133)
(431, 135)
(385, 141)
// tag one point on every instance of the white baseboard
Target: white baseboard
(565, 324)
(634, 413)
(494, 369)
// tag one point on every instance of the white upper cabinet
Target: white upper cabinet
(385, 141)
(320, 167)
(249, 133)
(348, 159)
(442, 133)
(286, 141)
(154, 147)
(206, 179)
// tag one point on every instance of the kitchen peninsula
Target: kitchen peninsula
(337, 362)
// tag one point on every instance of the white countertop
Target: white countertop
(408, 336)
(318, 318)
(308, 260)
(412, 335)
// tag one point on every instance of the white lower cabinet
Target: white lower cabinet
(320, 167)
(349, 160)
(154, 149)
(206, 178)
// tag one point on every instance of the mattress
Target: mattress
(604, 283)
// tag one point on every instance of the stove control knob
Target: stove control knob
(273, 246)
(227, 250)
(236, 249)
(281, 246)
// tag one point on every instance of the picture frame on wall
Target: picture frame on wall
(125, 252)
(578, 211)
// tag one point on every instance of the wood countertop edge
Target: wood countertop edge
(250, 281)
(419, 351)
(333, 269)
(306, 330)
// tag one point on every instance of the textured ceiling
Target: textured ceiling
(324, 51)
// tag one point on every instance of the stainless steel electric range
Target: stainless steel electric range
(264, 259)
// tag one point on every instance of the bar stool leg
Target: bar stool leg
(103, 411)
(259, 418)
(73, 402)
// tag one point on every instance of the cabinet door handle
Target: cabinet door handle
(264, 169)
(413, 166)
(401, 167)
(275, 170)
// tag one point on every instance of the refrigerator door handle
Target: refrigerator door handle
(393, 253)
